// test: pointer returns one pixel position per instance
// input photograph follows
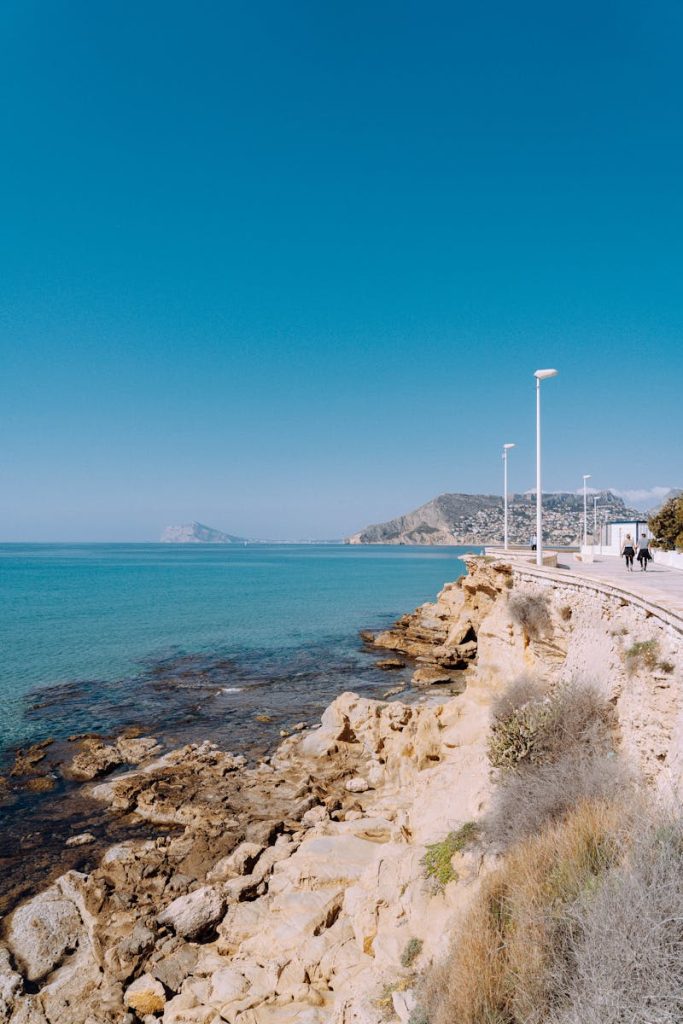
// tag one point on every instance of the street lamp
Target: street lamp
(539, 375)
(586, 476)
(595, 521)
(506, 449)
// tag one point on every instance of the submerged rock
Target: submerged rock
(26, 761)
(84, 839)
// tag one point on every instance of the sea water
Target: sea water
(195, 639)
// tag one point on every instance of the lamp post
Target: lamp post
(595, 521)
(586, 476)
(595, 516)
(506, 449)
(539, 375)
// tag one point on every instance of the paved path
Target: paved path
(659, 584)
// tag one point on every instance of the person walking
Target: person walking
(644, 555)
(628, 551)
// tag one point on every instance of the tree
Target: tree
(666, 525)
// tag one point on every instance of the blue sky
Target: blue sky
(288, 268)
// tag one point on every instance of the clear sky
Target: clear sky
(288, 268)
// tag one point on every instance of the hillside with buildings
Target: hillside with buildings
(478, 519)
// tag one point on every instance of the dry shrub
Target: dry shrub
(503, 968)
(625, 951)
(531, 612)
(525, 801)
(574, 718)
(643, 654)
(520, 691)
(518, 738)
(581, 719)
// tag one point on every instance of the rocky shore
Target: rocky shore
(304, 888)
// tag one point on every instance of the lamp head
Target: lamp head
(506, 446)
(544, 374)
(586, 476)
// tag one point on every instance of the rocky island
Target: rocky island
(327, 883)
(197, 533)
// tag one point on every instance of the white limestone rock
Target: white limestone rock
(194, 913)
(10, 986)
(239, 862)
(146, 995)
(43, 931)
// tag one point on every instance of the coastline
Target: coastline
(293, 890)
(38, 785)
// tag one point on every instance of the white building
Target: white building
(612, 534)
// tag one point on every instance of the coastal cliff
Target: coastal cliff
(319, 885)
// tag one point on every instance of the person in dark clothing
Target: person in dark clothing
(628, 551)
(644, 555)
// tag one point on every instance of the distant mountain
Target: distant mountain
(197, 533)
(478, 519)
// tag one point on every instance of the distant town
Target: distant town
(478, 519)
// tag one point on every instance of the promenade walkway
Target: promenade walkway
(659, 584)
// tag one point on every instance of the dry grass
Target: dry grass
(525, 801)
(625, 948)
(531, 612)
(504, 965)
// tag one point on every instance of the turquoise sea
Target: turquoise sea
(195, 640)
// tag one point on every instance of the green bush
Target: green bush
(643, 654)
(437, 859)
(666, 525)
(412, 950)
